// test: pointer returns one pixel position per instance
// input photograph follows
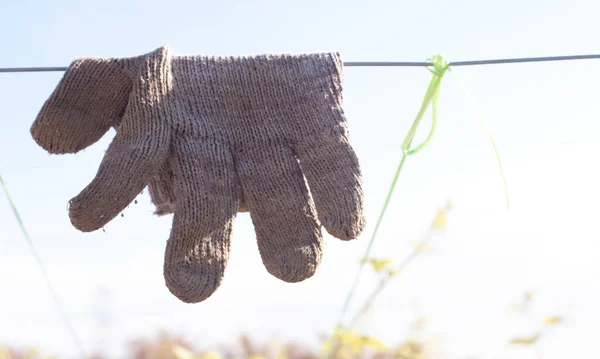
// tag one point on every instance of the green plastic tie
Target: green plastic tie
(438, 70)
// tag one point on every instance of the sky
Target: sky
(544, 117)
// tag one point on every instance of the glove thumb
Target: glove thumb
(89, 99)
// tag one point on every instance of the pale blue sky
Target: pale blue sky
(544, 116)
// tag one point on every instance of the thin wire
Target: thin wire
(32, 69)
(475, 62)
(40, 263)
(380, 63)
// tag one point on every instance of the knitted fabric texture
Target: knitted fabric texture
(210, 135)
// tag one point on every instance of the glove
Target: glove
(206, 134)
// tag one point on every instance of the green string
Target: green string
(39, 262)
(470, 97)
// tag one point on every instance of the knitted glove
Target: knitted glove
(205, 133)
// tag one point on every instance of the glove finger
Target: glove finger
(127, 167)
(198, 248)
(332, 171)
(137, 152)
(288, 233)
(89, 99)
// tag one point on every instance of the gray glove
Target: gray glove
(205, 133)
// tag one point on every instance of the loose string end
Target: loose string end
(470, 97)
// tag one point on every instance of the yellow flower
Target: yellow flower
(552, 320)
(526, 341)
(371, 342)
(378, 264)
(440, 219)
(350, 340)
(421, 247)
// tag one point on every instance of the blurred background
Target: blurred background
(489, 284)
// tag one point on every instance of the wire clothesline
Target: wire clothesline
(380, 63)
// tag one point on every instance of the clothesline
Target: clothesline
(379, 63)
